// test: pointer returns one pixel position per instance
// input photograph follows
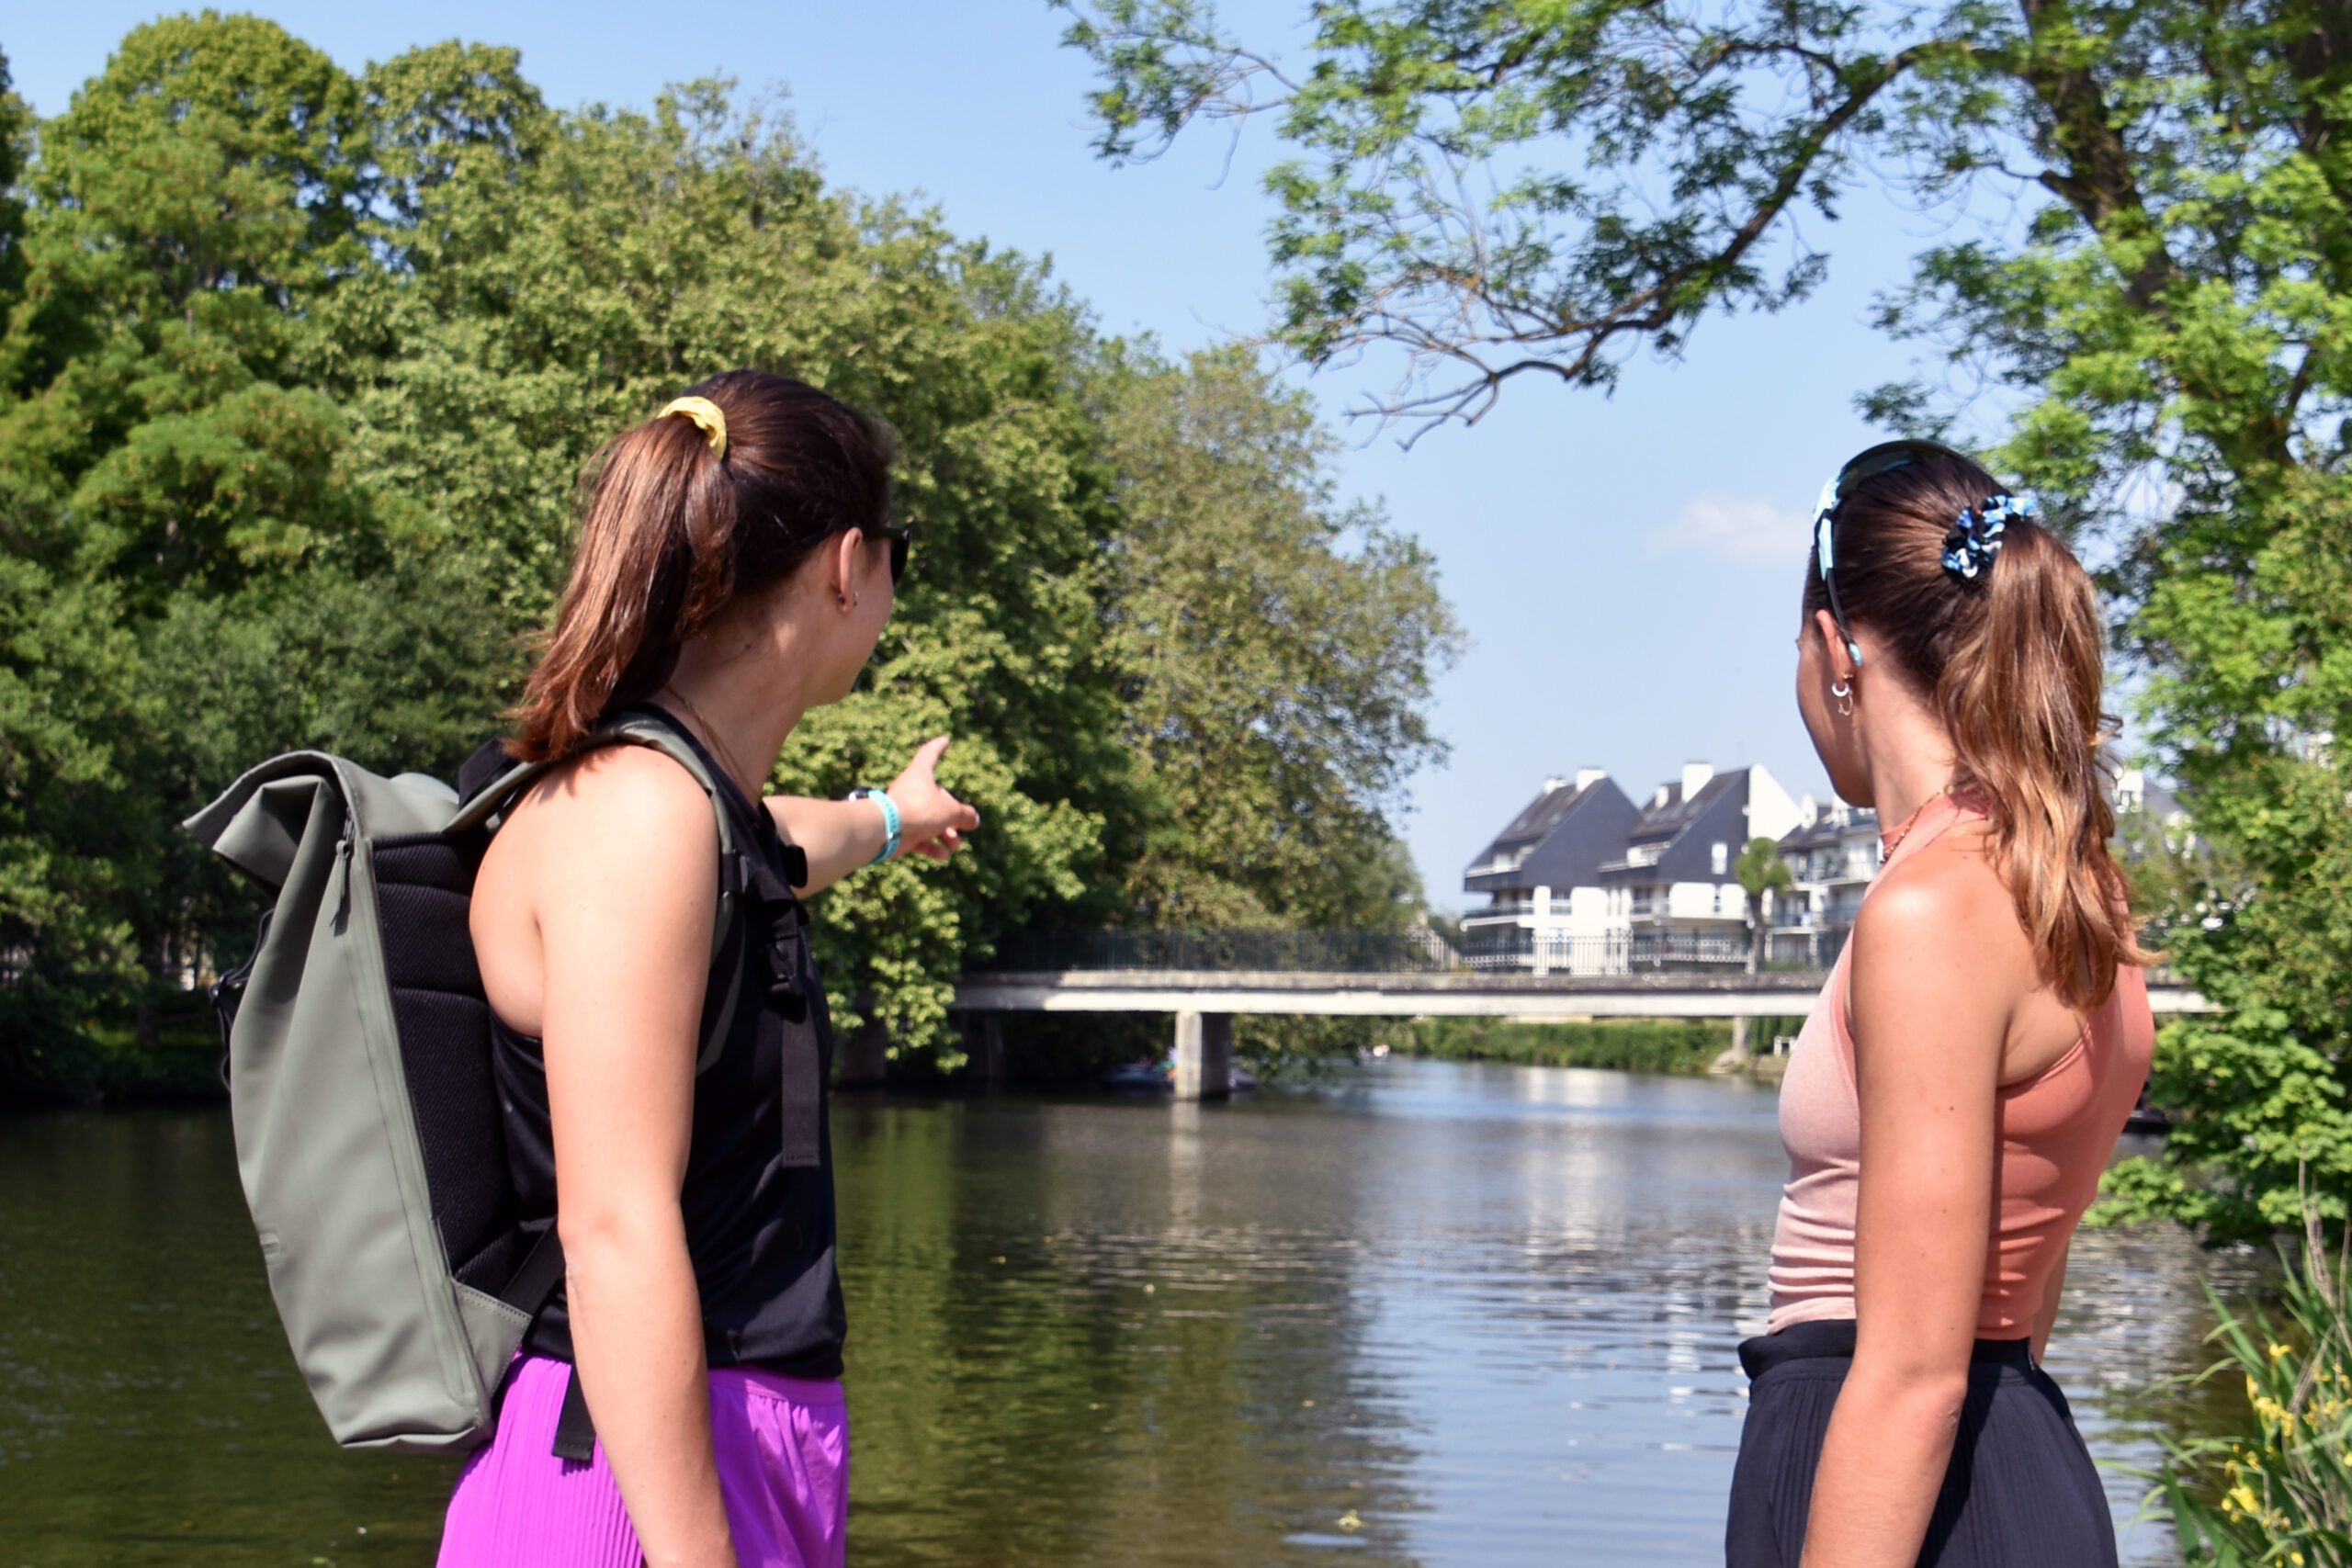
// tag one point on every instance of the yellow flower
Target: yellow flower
(2277, 1351)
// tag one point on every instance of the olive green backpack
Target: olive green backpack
(369, 1131)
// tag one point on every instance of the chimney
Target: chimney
(1553, 783)
(1588, 777)
(1694, 778)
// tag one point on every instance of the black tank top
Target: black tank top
(758, 1196)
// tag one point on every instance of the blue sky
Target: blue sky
(1626, 568)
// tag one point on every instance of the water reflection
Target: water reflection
(1421, 1312)
(149, 1410)
(1512, 1294)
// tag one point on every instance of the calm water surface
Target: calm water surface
(1420, 1313)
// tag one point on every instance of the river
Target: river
(1413, 1313)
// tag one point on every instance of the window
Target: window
(1723, 858)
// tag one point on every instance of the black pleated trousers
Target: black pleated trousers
(2021, 1492)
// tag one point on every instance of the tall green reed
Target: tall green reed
(2275, 1485)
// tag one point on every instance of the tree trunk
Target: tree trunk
(865, 1055)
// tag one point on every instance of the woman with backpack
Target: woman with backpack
(1960, 1083)
(658, 1034)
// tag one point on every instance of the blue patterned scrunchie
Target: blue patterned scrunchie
(1975, 539)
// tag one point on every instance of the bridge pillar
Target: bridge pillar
(1204, 1056)
(983, 1038)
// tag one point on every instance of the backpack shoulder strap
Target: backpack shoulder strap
(628, 730)
(735, 867)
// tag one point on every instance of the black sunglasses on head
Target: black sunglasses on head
(901, 541)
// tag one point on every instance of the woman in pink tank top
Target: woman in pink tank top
(1958, 1088)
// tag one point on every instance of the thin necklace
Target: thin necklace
(1910, 822)
(735, 770)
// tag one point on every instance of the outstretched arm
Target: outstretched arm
(840, 836)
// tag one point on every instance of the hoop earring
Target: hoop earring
(1844, 692)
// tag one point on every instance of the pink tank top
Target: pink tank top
(2056, 1132)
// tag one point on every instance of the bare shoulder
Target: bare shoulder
(1941, 963)
(618, 806)
(1947, 895)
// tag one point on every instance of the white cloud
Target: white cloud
(1729, 528)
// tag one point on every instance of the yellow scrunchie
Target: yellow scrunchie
(706, 416)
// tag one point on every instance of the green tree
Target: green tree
(16, 146)
(299, 375)
(1275, 652)
(1760, 870)
(1505, 189)
(188, 212)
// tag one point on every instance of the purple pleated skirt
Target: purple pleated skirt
(783, 1449)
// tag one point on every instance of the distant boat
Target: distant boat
(2147, 1118)
(1153, 1077)
(1140, 1074)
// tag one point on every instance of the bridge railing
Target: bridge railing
(1379, 952)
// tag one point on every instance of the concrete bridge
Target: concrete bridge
(1204, 1000)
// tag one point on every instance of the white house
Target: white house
(1583, 880)
(1542, 874)
(1833, 854)
(1673, 893)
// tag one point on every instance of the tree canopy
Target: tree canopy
(301, 372)
(2150, 263)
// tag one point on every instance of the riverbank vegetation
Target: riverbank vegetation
(2267, 1483)
(301, 371)
(1632, 1045)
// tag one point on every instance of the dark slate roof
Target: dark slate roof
(1567, 834)
(1826, 830)
(1686, 833)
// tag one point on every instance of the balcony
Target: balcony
(1513, 909)
(1805, 947)
(1616, 952)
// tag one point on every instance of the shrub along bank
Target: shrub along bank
(1630, 1044)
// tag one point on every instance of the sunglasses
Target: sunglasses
(901, 541)
(1876, 461)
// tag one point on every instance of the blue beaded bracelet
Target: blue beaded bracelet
(890, 819)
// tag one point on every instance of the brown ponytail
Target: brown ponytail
(2013, 660)
(674, 533)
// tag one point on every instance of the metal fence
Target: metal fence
(1415, 951)
(1496, 949)
(1490, 950)
(1616, 952)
